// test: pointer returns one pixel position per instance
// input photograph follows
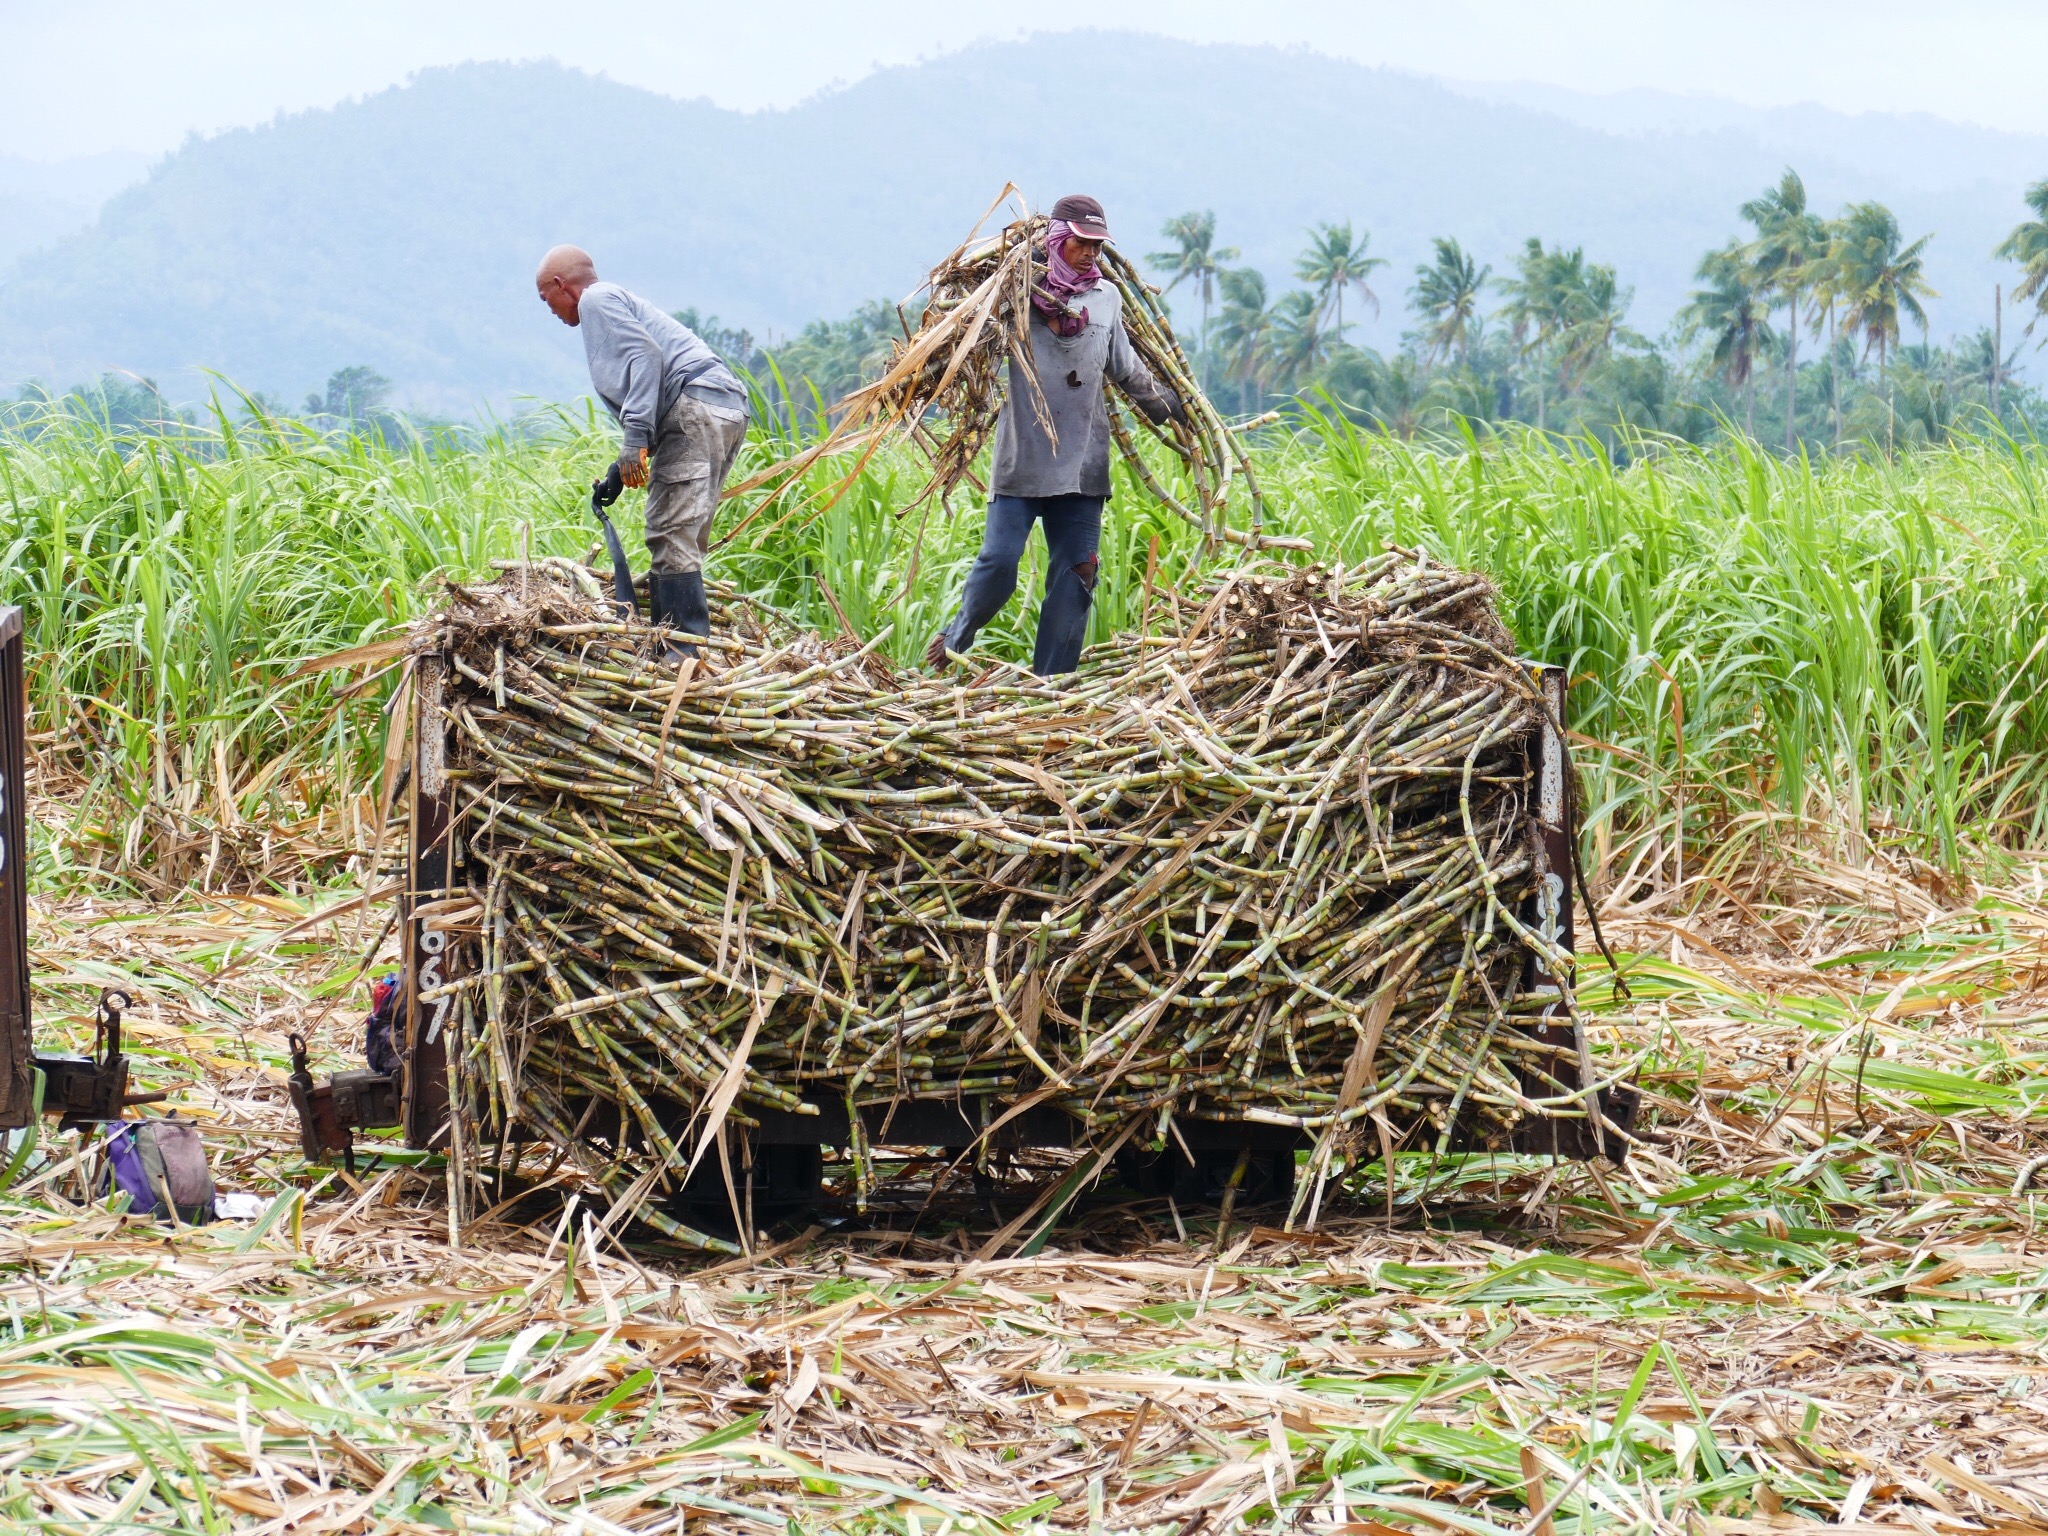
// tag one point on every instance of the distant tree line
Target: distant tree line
(1547, 342)
(354, 399)
(121, 402)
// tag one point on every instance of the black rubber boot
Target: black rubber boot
(679, 602)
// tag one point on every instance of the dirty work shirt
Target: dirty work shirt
(693, 455)
(643, 360)
(1070, 370)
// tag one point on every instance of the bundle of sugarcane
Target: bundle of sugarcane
(1269, 866)
(945, 384)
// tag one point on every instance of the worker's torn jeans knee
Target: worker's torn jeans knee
(1069, 598)
(692, 458)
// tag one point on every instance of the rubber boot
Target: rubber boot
(679, 602)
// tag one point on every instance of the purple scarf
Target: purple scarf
(1064, 282)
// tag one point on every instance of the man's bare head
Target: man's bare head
(564, 273)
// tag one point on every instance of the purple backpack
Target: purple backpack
(161, 1165)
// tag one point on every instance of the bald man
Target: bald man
(678, 405)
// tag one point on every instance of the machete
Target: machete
(602, 494)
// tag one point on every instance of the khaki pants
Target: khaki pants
(692, 457)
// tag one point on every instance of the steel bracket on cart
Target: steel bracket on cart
(330, 1113)
(415, 1096)
(91, 1090)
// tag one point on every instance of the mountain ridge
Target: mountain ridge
(400, 229)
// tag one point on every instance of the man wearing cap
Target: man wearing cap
(683, 415)
(1060, 478)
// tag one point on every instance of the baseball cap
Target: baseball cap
(1085, 215)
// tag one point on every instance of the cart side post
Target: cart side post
(1554, 843)
(17, 1046)
(432, 958)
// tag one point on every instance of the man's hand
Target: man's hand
(1165, 406)
(935, 653)
(633, 467)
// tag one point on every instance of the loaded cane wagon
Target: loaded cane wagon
(1296, 866)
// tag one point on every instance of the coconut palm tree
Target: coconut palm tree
(1403, 397)
(1594, 305)
(1446, 297)
(1733, 309)
(1789, 240)
(1567, 313)
(2028, 245)
(1881, 280)
(1241, 328)
(1336, 260)
(1195, 257)
(1977, 360)
(1294, 339)
(1825, 280)
(1538, 308)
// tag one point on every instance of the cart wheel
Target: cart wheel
(787, 1181)
(1146, 1172)
(1268, 1174)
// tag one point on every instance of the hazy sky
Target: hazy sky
(92, 75)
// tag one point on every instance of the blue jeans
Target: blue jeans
(1073, 530)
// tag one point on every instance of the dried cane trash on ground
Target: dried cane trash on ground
(1814, 1300)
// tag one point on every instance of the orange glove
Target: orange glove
(633, 467)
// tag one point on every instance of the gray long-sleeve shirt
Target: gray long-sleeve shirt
(642, 359)
(1070, 371)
